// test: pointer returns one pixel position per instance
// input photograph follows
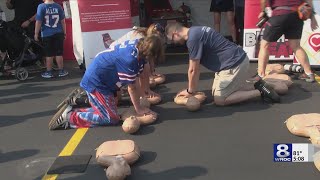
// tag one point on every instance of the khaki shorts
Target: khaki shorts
(229, 81)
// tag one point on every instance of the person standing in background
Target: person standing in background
(51, 21)
(25, 13)
(285, 21)
(219, 6)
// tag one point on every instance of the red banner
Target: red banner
(134, 8)
(252, 10)
(100, 15)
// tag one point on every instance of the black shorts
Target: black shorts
(288, 24)
(53, 45)
(221, 6)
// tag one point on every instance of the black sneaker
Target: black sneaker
(80, 102)
(268, 94)
(72, 101)
(60, 120)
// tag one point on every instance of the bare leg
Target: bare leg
(300, 54)
(49, 61)
(263, 57)
(59, 60)
(232, 26)
(217, 19)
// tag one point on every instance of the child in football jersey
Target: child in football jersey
(50, 19)
(109, 71)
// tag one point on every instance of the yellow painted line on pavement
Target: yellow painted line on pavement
(69, 149)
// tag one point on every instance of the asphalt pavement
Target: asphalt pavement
(215, 143)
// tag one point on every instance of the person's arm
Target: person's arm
(9, 4)
(195, 48)
(144, 79)
(128, 74)
(33, 18)
(193, 78)
(314, 23)
(310, 2)
(37, 30)
(38, 19)
(63, 24)
(152, 67)
(63, 21)
(263, 4)
(26, 23)
(133, 90)
(193, 75)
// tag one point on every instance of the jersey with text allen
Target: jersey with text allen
(50, 14)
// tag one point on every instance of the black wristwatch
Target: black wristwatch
(189, 91)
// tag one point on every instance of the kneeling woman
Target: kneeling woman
(149, 68)
(109, 71)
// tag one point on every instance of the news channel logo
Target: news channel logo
(282, 152)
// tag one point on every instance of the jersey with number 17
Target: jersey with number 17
(51, 15)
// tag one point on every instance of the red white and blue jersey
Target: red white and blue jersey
(51, 15)
(113, 68)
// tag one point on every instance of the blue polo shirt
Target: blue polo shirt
(213, 50)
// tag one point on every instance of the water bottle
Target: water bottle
(263, 20)
(293, 68)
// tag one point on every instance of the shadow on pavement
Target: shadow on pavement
(11, 120)
(25, 97)
(17, 155)
(35, 87)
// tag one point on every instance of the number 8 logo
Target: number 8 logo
(283, 151)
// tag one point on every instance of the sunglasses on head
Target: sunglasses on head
(159, 28)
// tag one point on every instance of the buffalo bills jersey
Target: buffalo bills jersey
(113, 68)
(50, 14)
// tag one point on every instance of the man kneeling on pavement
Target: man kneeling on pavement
(229, 62)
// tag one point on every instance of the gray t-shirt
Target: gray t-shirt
(213, 50)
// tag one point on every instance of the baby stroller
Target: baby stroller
(19, 51)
